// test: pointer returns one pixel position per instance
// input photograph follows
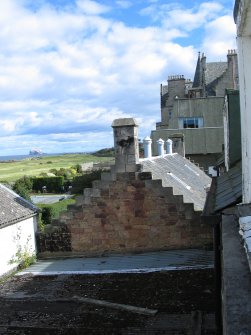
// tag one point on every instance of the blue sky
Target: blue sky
(68, 68)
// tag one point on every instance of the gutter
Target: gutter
(14, 221)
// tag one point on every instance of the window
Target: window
(190, 122)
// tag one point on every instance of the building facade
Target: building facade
(18, 225)
(242, 15)
(195, 109)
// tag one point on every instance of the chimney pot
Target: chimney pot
(160, 143)
(169, 146)
(147, 147)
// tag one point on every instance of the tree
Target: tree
(23, 187)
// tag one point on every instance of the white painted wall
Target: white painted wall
(244, 52)
(23, 234)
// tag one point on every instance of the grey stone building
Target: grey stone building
(193, 110)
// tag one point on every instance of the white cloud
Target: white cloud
(72, 70)
(216, 44)
(124, 4)
(175, 15)
(192, 19)
(92, 7)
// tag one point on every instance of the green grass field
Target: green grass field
(11, 171)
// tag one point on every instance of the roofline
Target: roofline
(33, 207)
(236, 10)
(201, 98)
(17, 220)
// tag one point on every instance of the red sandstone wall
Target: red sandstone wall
(135, 215)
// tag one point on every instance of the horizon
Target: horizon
(79, 64)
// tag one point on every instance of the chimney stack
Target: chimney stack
(178, 144)
(126, 144)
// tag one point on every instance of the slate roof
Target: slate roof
(198, 74)
(225, 191)
(228, 189)
(214, 71)
(183, 176)
(13, 208)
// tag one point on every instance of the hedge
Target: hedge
(79, 183)
(52, 184)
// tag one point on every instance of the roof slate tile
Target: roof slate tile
(14, 208)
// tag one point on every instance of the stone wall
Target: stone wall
(132, 213)
(55, 239)
(204, 161)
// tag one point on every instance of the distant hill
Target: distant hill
(107, 152)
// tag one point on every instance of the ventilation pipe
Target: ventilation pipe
(160, 143)
(147, 147)
(169, 146)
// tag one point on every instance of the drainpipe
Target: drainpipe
(169, 146)
(147, 147)
(160, 143)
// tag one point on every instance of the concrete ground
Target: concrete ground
(141, 262)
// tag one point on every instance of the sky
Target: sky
(68, 68)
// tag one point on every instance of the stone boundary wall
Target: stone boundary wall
(55, 239)
(130, 214)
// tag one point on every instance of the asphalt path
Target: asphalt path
(49, 199)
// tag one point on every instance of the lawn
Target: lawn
(57, 207)
(11, 171)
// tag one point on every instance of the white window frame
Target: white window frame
(198, 122)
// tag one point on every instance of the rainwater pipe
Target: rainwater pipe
(147, 147)
(169, 146)
(160, 143)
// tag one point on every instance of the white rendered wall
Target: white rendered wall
(244, 56)
(23, 234)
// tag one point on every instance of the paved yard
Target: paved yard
(141, 262)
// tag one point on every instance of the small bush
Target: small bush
(47, 215)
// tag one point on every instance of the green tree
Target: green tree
(23, 187)
(78, 167)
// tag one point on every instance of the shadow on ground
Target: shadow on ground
(184, 301)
